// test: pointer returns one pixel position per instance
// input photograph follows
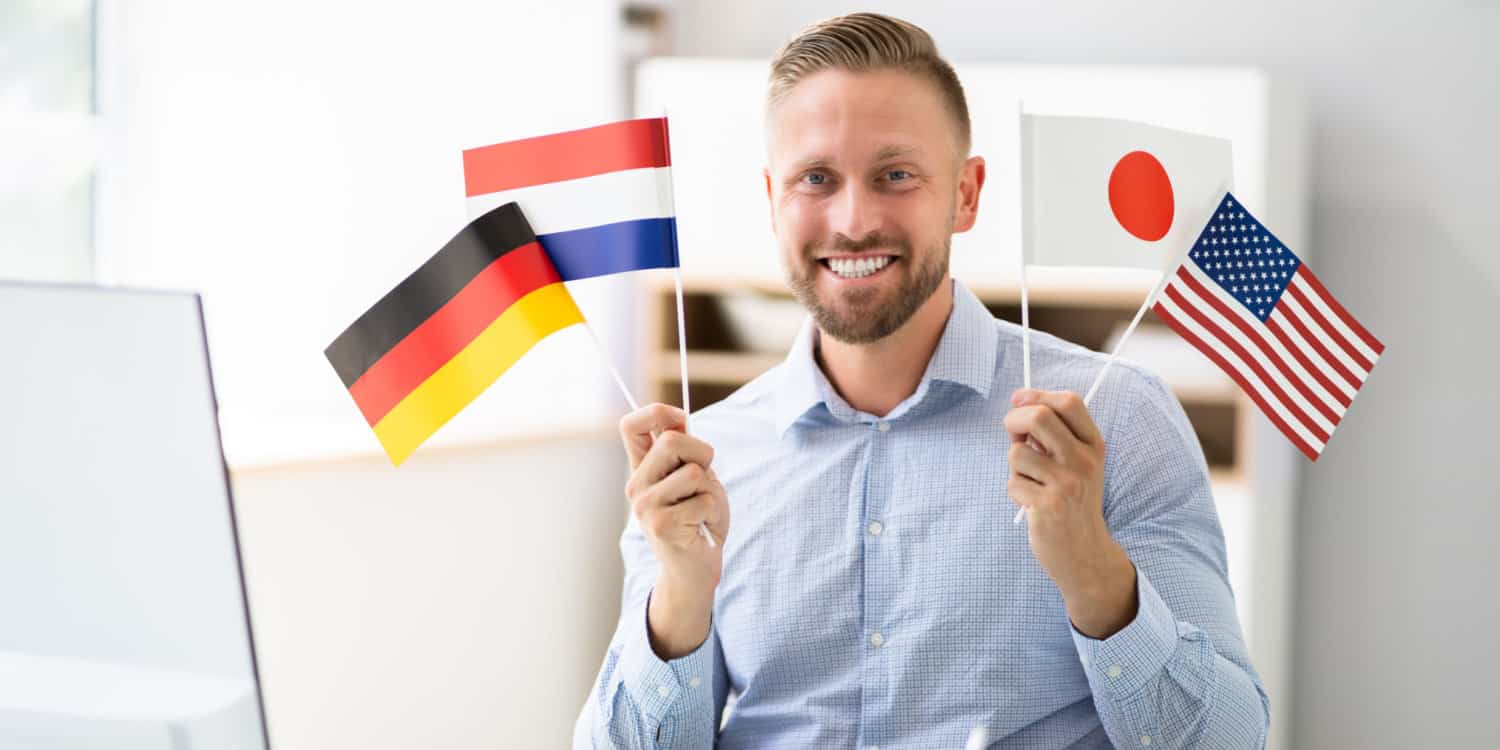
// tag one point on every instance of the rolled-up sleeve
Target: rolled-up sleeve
(1179, 674)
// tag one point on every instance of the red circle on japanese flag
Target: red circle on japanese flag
(1140, 195)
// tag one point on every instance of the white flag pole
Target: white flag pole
(1156, 289)
(1025, 302)
(1025, 306)
(634, 405)
(608, 362)
(687, 410)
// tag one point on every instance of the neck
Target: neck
(877, 376)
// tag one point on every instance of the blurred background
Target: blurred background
(293, 160)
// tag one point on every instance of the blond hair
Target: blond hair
(860, 42)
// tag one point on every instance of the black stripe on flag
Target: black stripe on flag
(427, 289)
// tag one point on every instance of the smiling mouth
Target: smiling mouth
(857, 268)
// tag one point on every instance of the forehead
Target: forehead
(841, 116)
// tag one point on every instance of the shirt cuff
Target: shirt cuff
(656, 686)
(1127, 661)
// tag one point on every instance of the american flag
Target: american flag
(1248, 303)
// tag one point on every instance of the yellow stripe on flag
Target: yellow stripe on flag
(460, 380)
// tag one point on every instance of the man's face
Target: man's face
(867, 186)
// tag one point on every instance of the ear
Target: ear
(770, 201)
(970, 181)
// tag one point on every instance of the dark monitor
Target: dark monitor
(123, 616)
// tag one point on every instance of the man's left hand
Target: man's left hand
(1057, 474)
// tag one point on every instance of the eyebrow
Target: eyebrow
(891, 152)
(884, 154)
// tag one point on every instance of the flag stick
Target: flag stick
(1025, 306)
(682, 359)
(687, 411)
(1150, 298)
(1025, 302)
(634, 405)
(608, 362)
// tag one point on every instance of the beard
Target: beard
(868, 314)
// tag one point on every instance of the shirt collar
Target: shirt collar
(965, 355)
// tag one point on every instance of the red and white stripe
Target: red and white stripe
(1303, 366)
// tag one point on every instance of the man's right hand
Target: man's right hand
(671, 490)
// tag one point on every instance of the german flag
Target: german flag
(434, 343)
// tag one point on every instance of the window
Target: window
(48, 149)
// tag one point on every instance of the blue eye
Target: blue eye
(897, 175)
(814, 178)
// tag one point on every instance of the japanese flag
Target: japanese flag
(1115, 193)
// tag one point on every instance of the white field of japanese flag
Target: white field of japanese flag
(1114, 193)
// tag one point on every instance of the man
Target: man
(872, 590)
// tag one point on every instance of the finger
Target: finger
(1024, 491)
(1069, 407)
(671, 450)
(677, 523)
(1032, 465)
(685, 481)
(1042, 423)
(638, 427)
(692, 511)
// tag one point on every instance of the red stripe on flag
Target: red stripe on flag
(446, 332)
(1317, 346)
(1260, 342)
(1333, 333)
(1338, 393)
(1239, 377)
(1338, 309)
(1251, 362)
(632, 144)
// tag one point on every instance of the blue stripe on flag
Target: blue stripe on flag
(613, 248)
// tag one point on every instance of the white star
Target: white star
(1229, 203)
(1221, 277)
(1234, 240)
(1234, 289)
(1242, 215)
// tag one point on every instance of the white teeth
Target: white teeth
(858, 268)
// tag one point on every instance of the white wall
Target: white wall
(1397, 546)
(294, 161)
(462, 601)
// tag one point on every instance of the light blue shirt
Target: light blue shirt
(876, 594)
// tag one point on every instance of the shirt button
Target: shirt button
(1113, 671)
(876, 639)
(663, 691)
(1145, 740)
(876, 528)
(695, 682)
(883, 426)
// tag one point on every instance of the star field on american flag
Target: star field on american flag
(1244, 257)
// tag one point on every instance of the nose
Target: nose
(855, 212)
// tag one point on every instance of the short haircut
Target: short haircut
(860, 42)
